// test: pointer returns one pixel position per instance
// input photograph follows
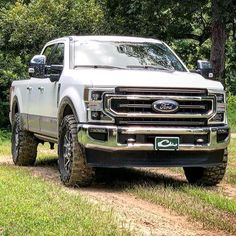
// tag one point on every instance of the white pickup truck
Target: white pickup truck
(119, 102)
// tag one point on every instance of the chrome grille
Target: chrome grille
(134, 106)
(137, 106)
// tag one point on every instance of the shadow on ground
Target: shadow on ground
(120, 178)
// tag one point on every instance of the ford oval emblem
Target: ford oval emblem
(165, 106)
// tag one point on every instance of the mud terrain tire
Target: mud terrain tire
(206, 176)
(24, 144)
(73, 167)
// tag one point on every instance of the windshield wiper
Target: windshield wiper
(100, 66)
(156, 67)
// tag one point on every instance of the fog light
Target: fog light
(222, 135)
(98, 134)
(219, 117)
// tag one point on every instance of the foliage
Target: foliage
(231, 111)
(4, 136)
(25, 26)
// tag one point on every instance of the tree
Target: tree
(25, 26)
(222, 15)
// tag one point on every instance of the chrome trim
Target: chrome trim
(109, 97)
(113, 132)
(150, 106)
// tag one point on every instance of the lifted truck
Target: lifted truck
(119, 102)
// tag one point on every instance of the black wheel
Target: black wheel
(24, 144)
(72, 160)
(206, 176)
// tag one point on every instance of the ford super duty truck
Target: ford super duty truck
(119, 102)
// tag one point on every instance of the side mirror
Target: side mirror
(205, 69)
(54, 72)
(37, 66)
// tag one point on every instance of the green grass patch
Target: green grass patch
(213, 198)
(230, 176)
(31, 206)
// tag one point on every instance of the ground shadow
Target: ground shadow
(121, 178)
(130, 177)
(50, 161)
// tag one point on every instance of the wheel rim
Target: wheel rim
(67, 153)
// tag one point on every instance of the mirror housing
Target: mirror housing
(37, 66)
(204, 68)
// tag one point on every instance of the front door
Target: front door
(49, 94)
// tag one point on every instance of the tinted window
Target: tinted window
(57, 57)
(47, 52)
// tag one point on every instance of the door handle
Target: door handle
(41, 89)
(29, 88)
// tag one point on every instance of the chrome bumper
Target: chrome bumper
(112, 143)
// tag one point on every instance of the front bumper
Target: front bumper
(113, 133)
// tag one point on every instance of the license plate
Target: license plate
(167, 143)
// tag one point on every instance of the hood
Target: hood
(146, 78)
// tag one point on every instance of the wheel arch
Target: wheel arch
(66, 108)
(15, 108)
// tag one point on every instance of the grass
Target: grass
(214, 211)
(207, 205)
(31, 206)
(230, 176)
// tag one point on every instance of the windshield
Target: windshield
(128, 55)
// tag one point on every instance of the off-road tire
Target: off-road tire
(206, 176)
(77, 172)
(24, 144)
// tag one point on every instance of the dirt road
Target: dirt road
(141, 217)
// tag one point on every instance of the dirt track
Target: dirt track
(142, 217)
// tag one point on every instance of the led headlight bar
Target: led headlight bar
(93, 98)
(220, 116)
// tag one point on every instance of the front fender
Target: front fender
(74, 99)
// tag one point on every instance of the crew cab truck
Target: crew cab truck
(112, 101)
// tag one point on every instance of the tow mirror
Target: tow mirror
(37, 66)
(205, 69)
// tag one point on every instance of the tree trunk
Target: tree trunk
(218, 39)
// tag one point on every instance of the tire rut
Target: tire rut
(140, 216)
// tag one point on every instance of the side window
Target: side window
(57, 57)
(47, 52)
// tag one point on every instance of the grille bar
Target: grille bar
(202, 107)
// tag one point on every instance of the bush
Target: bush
(4, 136)
(231, 111)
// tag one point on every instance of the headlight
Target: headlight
(220, 116)
(93, 98)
